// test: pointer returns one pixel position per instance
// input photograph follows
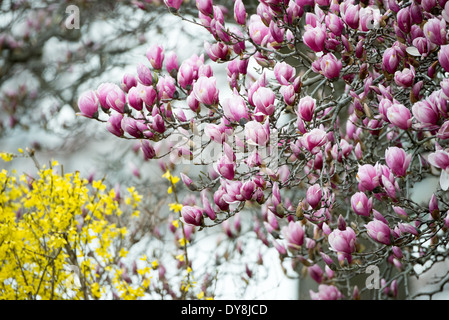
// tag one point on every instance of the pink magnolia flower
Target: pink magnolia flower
(155, 54)
(176, 4)
(257, 133)
(426, 113)
(284, 73)
(158, 124)
(275, 199)
(443, 132)
(235, 107)
(326, 292)
(134, 99)
(405, 77)
(232, 191)
(263, 98)
(361, 204)
(294, 11)
(443, 57)
(314, 195)
(128, 81)
(192, 215)
(428, 5)
(358, 151)
(279, 247)
(435, 31)
(239, 12)
(215, 132)
(328, 260)
(217, 51)
(407, 228)
(334, 23)
(314, 140)
(330, 66)
(440, 159)
(144, 74)
(114, 124)
(187, 181)
(205, 6)
(389, 186)
(148, 150)
(341, 150)
(193, 103)
(423, 45)
(258, 31)
(277, 33)
(343, 242)
(312, 19)
(147, 94)
(88, 104)
(116, 99)
(314, 37)
(416, 13)
(288, 94)
(294, 235)
(351, 16)
(185, 75)
(399, 211)
(390, 61)
(111, 96)
(397, 160)
(306, 108)
(444, 84)
(367, 177)
(404, 19)
(369, 18)
(247, 190)
(400, 116)
(166, 87)
(207, 206)
(316, 273)
(379, 231)
(171, 63)
(433, 206)
(205, 90)
(225, 167)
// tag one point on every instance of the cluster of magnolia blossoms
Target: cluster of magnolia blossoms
(327, 174)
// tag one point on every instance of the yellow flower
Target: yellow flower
(6, 156)
(123, 253)
(98, 185)
(173, 179)
(183, 242)
(180, 257)
(65, 225)
(176, 207)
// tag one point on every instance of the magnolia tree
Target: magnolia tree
(68, 234)
(330, 114)
(319, 146)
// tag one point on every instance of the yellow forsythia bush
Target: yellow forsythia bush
(60, 238)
